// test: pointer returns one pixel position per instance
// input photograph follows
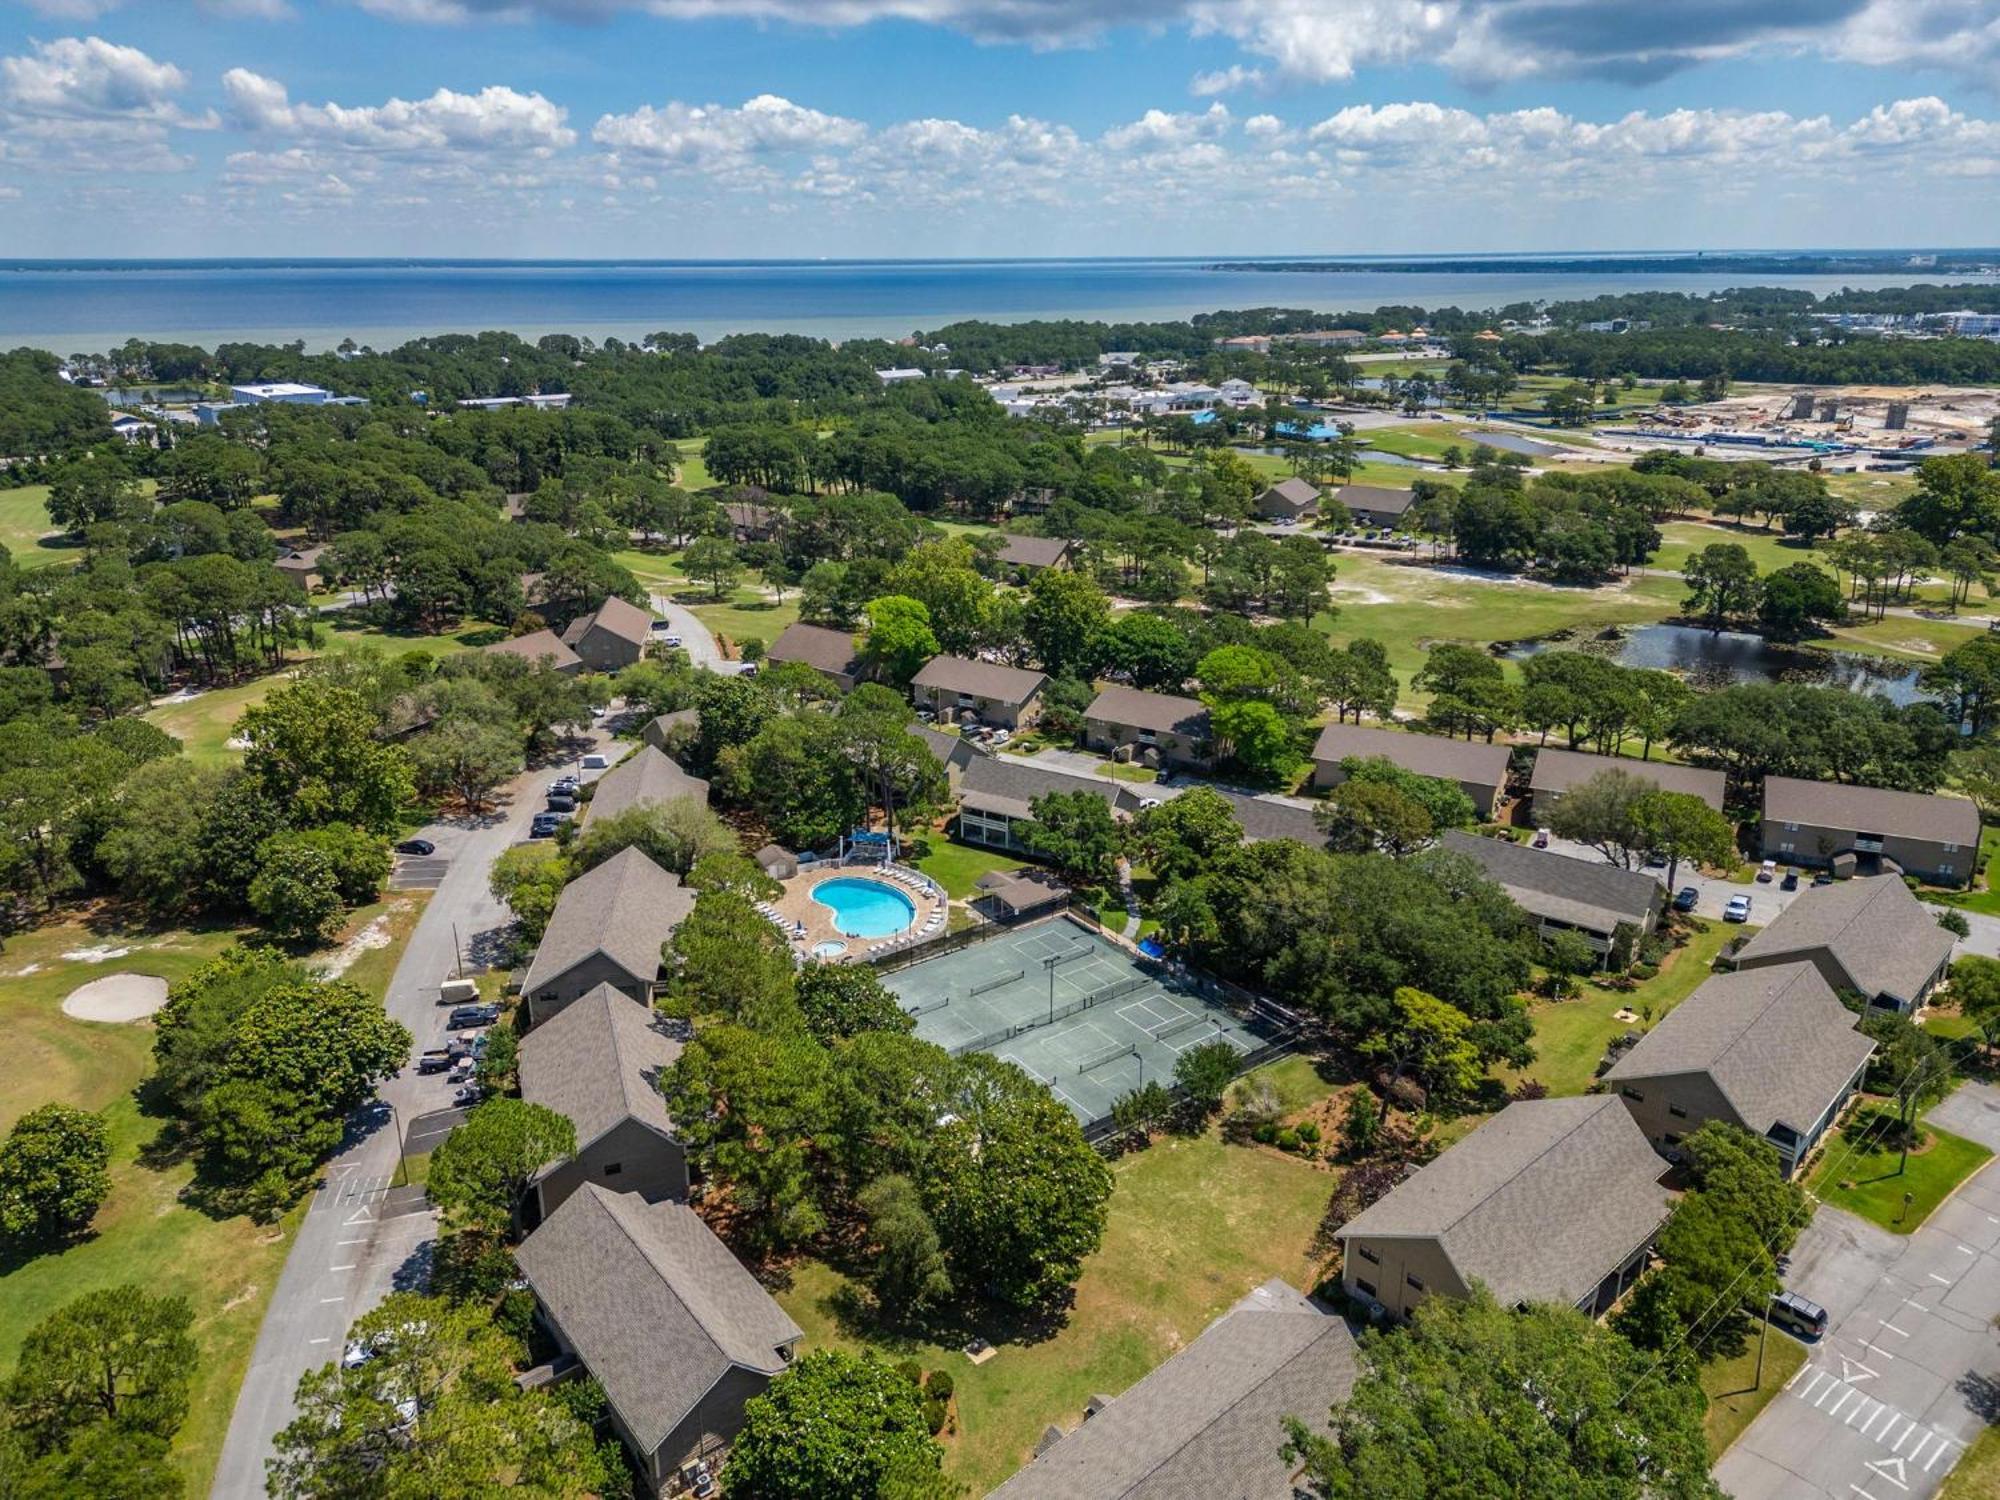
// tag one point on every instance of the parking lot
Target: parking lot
(1886, 1404)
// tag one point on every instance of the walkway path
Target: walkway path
(696, 638)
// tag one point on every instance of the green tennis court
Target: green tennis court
(1069, 1007)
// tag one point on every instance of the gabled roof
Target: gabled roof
(950, 749)
(1425, 754)
(980, 679)
(1293, 491)
(1374, 497)
(1207, 1423)
(1162, 713)
(1777, 1042)
(1555, 887)
(655, 1305)
(624, 909)
(1560, 770)
(1887, 941)
(647, 775)
(537, 646)
(1035, 551)
(1871, 809)
(599, 1062)
(830, 651)
(1263, 818)
(626, 621)
(1540, 1203)
(1002, 784)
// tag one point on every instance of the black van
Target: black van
(1798, 1315)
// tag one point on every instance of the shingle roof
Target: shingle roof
(1374, 497)
(830, 651)
(626, 621)
(1263, 818)
(1540, 1203)
(1207, 1422)
(1425, 754)
(655, 1305)
(981, 679)
(1581, 892)
(598, 1061)
(1560, 770)
(1871, 809)
(535, 646)
(950, 749)
(625, 909)
(1294, 492)
(1776, 1041)
(1163, 713)
(663, 724)
(1001, 784)
(647, 775)
(1035, 551)
(1887, 940)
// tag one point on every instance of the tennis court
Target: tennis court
(1070, 1007)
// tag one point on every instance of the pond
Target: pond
(1512, 443)
(1709, 661)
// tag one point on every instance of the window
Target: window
(1950, 848)
(1787, 847)
(1670, 1140)
(1677, 1112)
(1366, 1288)
(1944, 869)
(1634, 1095)
(1413, 1284)
(1791, 828)
(1368, 1255)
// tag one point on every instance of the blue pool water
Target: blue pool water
(865, 908)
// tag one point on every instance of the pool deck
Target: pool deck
(796, 905)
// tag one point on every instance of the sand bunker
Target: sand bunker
(116, 997)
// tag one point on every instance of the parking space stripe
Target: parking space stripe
(1847, 1396)
(1892, 1328)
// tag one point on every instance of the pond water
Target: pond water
(1512, 443)
(1708, 660)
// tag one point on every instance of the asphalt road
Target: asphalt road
(696, 638)
(1910, 1372)
(362, 1237)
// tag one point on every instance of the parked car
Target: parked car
(1738, 909)
(1001, 736)
(468, 1094)
(1655, 861)
(594, 762)
(673, 642)
(1798, 1315)
(544, 825)
(461, 1072)
(416, 846)
(658, 625)
(436, 1060)
(1685, 898)
(1541, 838)
(1823, 878)
(1767, 872)
(458, 992)
(749, 669)
(1790, 882)
(472, 1015)
(562, 802)
(563, 784)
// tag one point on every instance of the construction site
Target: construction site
(1846, 427)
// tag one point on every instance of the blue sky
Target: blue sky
(992, 127)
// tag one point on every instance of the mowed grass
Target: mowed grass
(1193, 1226)
(1735, 1395)
(144, 1234)
(1878, 1187)
(1769, 550)
(1977, 1473)
(25, 529)
(204, 723)
(1570, 1035)
(957, 867)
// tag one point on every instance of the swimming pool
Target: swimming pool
(865, 908)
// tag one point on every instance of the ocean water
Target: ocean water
(89, 306)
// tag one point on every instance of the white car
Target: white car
(673, 641)
(1738, 909)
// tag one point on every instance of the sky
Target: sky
(920, 128)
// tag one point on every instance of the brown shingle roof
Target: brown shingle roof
(1290, 494)
(980, 679)
(538, 645)
(647, 775)
(1425, 754)
(1003, 785)
(1540, 1203)
(624, 909)
(1559, 770)
(830, 651)
(1162, 713)
(1871, 809)
(1373, 497)
(1035, 551)
(1777, 1042)
(626, 621)
(599, 1062)
(1887, 941)
(1582, 892)
(655, 1305)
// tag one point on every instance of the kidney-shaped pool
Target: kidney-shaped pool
(865, 908)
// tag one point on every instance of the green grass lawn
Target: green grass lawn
(1877, 1189)
(1977, 1473)
(204, 723)
(1769, 550)
(25, 528)
(1570, 1035)
(747, 614)
(1193, 1226)
(1902, 635)
(1734, 1394)
(956, 866)
(339, 634)
(144, 1233)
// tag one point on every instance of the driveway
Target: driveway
(696, 638)
(362, 1237)
(1910, 1372)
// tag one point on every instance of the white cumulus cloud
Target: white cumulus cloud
(496, 119)
(705, 136)
(85, 78)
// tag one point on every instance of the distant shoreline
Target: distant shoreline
(1952, 263)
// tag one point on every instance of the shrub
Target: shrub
(1309, 1132)
(911, 1371)
(939, 1384)
(1529, 1088)
(516, 1314)
(935, 1412)
(1264, 1133)
(1644, 972)
(1288, 1140)
(1954, 922)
